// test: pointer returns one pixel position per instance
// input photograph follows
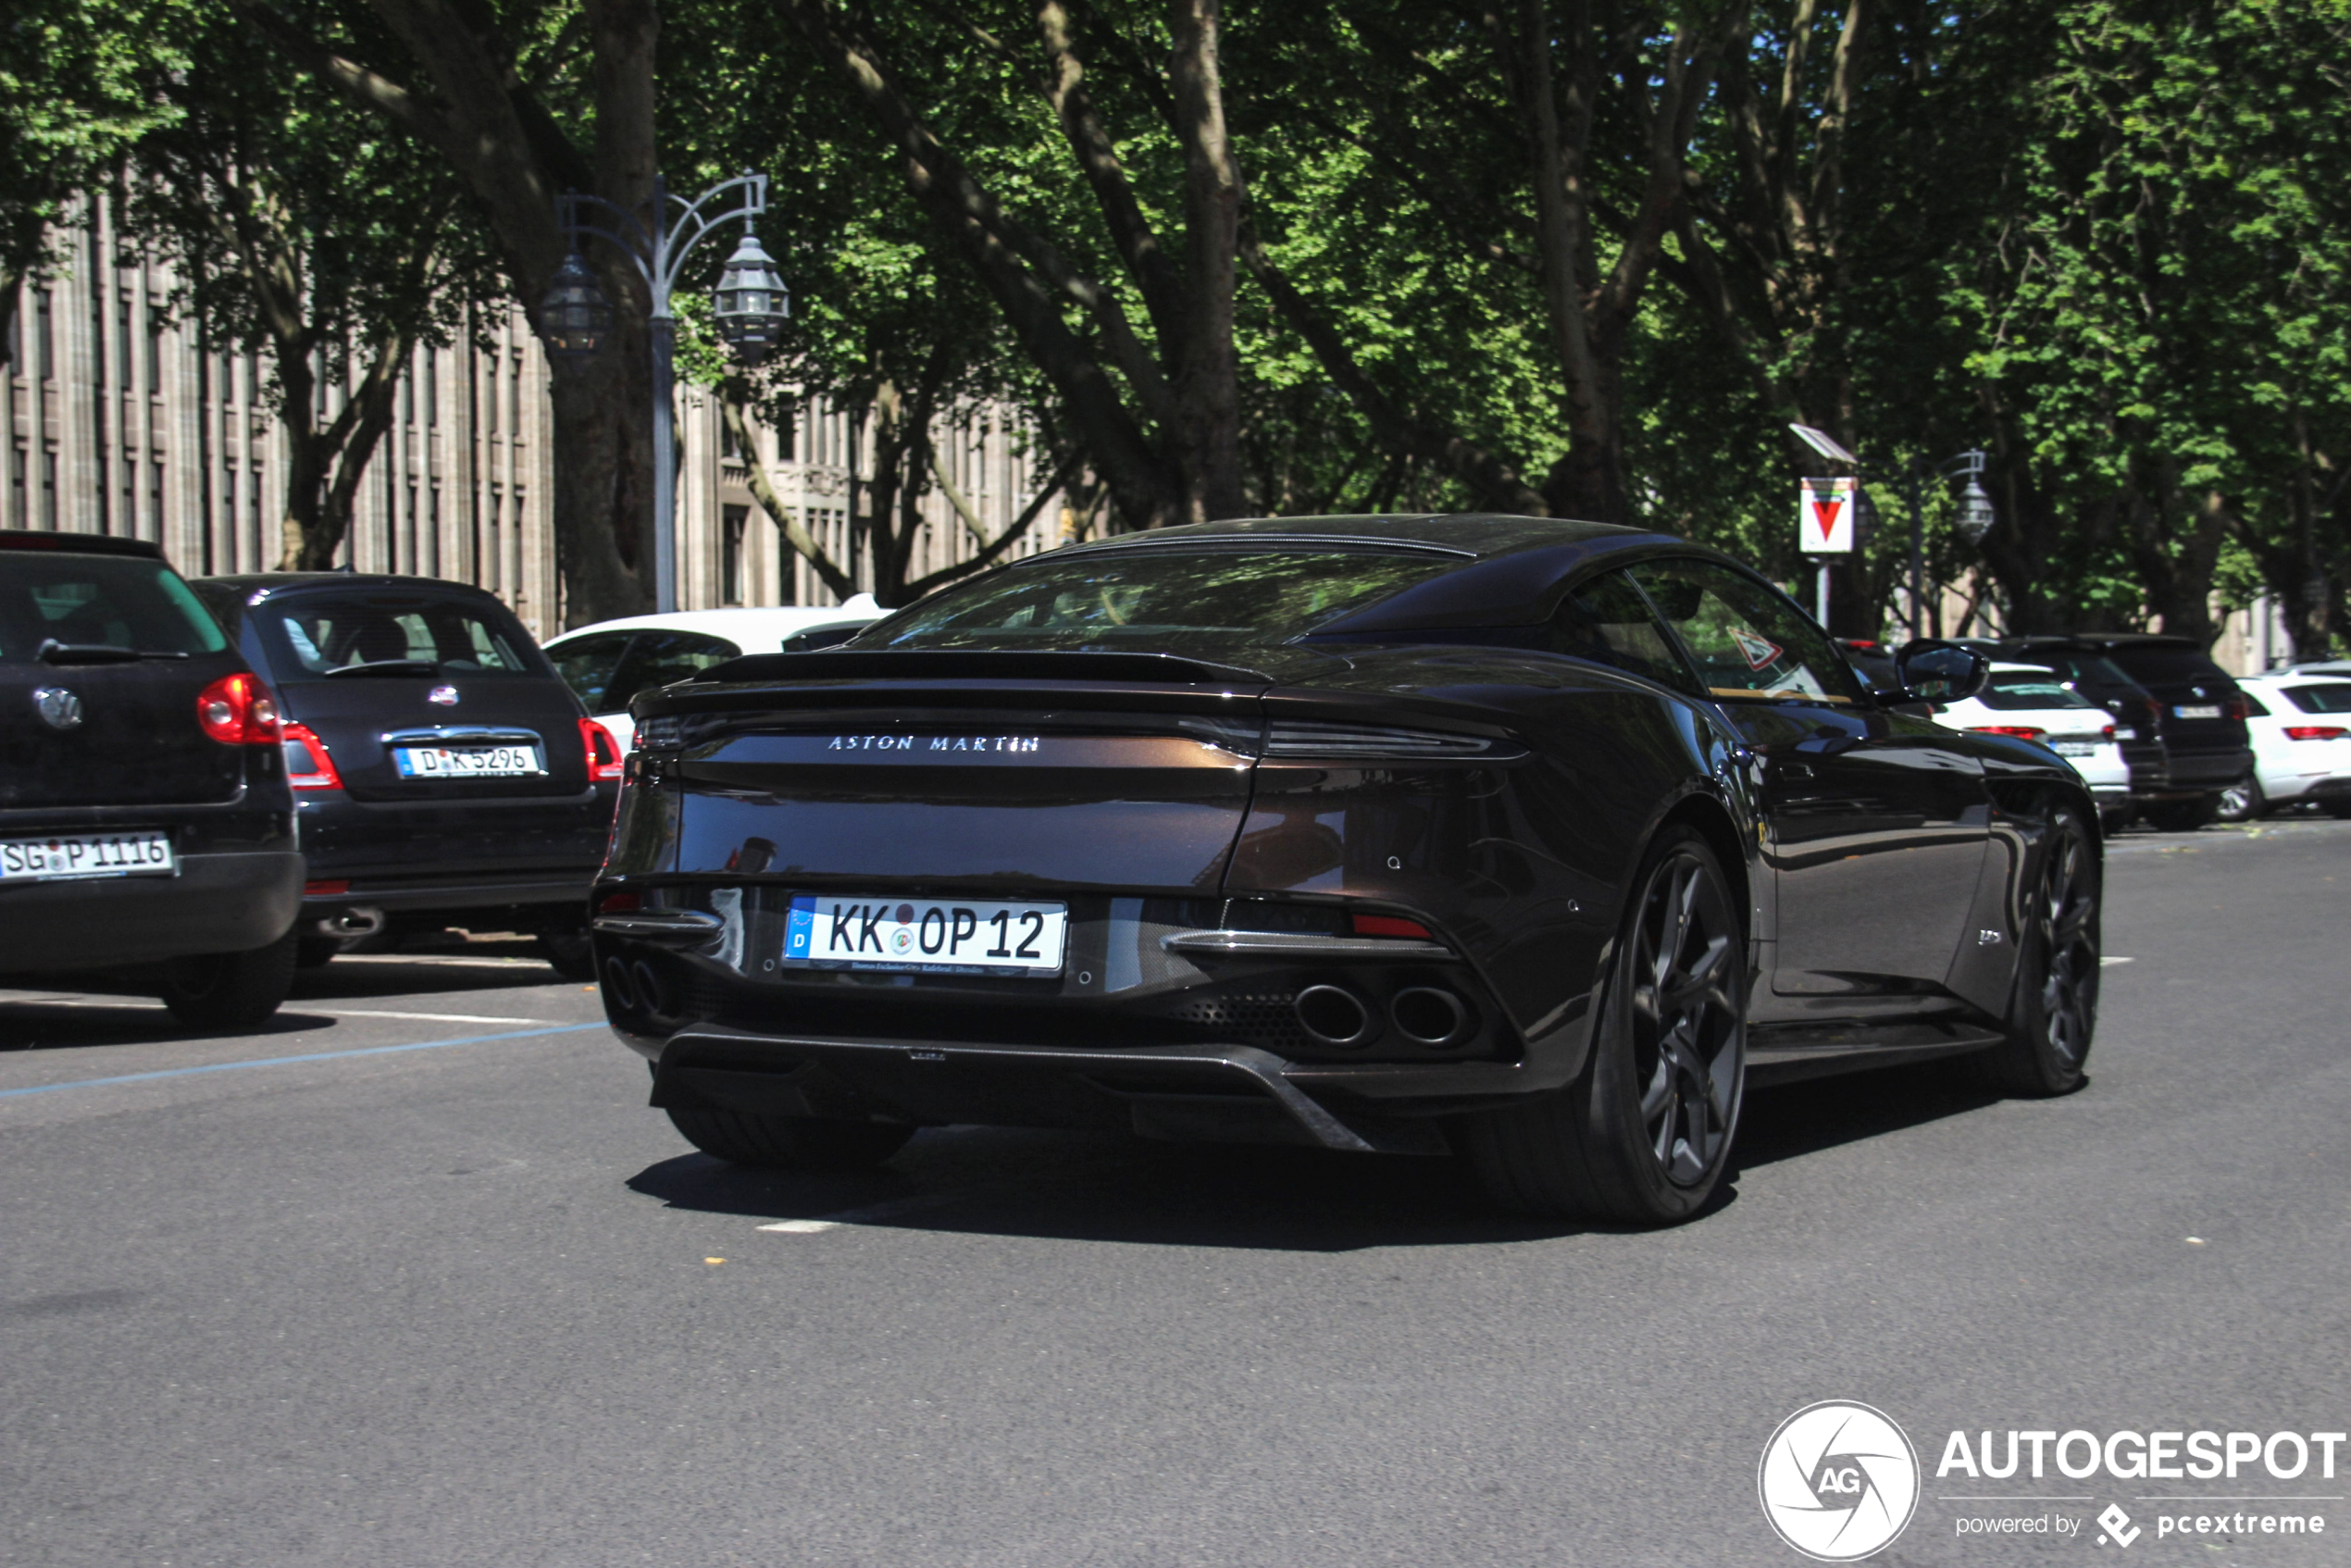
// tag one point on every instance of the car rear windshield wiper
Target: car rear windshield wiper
(388, 666)
(55, 652)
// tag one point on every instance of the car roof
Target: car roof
(1475, 535)
(1505, 569)
(78, 543)
(733, 624)
(254, 587)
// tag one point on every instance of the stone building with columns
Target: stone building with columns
(121, 421)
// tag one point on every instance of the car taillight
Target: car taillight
(1389, 925)
(237, 710)
(307, 765)
(2315, 732)
(2021, 731)
(2106, 734)
(620, 903)
(2238, 708)
(604, 753)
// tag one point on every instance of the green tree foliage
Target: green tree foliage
(306, 230)
(2156, 314)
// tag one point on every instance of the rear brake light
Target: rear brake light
(2021, 731)
(1301, 739)
(2239, 709)
(307, 765)
(2314, 732)
(619, 904)
(1390, 925)
(604, 753)
(334, 888)
(237, 710)
(2106, 734)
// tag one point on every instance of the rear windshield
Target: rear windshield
(2018, 691)
(1162, 600)
(103, 601)
(2332, 698)
(312, 636)
(2168, 664)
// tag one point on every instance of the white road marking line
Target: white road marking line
(2105, 963)
(62, 1002)
(457, 963)
(800, 1227)
(429, 1017)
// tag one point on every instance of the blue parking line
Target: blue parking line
(289, 1061)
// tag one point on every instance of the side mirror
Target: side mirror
(1940, 672)
(817, 637)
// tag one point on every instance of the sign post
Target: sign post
(1824, 525)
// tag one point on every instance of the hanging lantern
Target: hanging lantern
(574, 317)
(750, 304)
(1976, 515)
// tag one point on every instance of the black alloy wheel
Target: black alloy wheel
(2054, 1014)
(1643, 1135)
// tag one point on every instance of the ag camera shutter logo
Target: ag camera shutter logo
(1839, 1481)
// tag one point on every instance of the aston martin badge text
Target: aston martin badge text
(932, 743)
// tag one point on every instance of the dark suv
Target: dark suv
(444, 775)
(2207, 750)
(144, 817)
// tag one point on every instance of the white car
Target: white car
(2300, 724)
(610, 662)
(2036, 704)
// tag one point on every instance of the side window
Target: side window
(586, 665)
(2253, 706)
(659, 658)
(1607, 621)
(1748, 642)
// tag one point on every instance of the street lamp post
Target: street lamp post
(751, 304)
(1975, 518)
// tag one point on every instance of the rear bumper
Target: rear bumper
(1212, 1093)
(403, 895)
(2191, 773)
(224, 902)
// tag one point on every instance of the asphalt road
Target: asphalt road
(469, 1302)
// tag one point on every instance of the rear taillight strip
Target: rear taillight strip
(307, 765)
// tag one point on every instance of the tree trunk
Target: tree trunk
(1207, 379)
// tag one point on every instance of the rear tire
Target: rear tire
(2054, 1013)
(1643, 1133)
(2243, 803)
(231, 991)
(788, 1143)
(316, 952)
(568, 953)
(2339, 809)
(2181, 817)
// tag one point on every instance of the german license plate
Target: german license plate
(73, 856)
(874, 931)
(2075, 748)
(466, 762)
(2200, 710)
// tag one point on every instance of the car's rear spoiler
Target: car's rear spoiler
(989, 665)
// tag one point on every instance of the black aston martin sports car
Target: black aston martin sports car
(1532, 840)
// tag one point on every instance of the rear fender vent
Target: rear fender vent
(1290, 738)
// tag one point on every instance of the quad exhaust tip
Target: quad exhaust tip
(1428, 1014)
(1333, 1016)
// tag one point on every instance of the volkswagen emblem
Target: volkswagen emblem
(446, 695)
(59, 706)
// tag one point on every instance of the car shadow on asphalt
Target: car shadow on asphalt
(1790, 1121)
(1104, 1188)
(34, 1024)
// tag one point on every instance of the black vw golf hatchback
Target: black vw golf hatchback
(443, 773)
(144, 814)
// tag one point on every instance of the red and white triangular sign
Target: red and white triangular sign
(1824, 516)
